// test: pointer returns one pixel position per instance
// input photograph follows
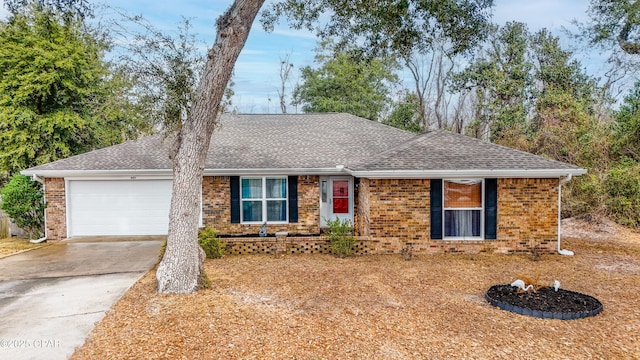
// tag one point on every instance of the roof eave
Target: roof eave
(123, 173)
(373, 174)
(466, 173)
(274, 171)
(141, 173)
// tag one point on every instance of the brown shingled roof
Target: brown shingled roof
(443, 150)
(312, 142)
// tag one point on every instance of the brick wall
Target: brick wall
(527, 214)
(391, 214)
(216, 203)
(55, 213)
(396, 211)
(395, 215)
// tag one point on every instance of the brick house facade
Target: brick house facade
(278, 167)
(390, 214)
(394, 213)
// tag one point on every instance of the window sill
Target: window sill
(261, 223)
(464, 239)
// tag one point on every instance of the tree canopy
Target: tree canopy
(615, 21)
(57, 95)
(387, 26)
(502, 81)
(627, 126)
(344, 82)
(68, 8)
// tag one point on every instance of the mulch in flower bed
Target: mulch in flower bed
(544, 303)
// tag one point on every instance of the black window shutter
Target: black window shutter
(292, 183)
(490, 208)
(436, 209)
(235, 199)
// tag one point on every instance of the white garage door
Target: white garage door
(118, 207)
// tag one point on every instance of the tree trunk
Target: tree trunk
(181, 268)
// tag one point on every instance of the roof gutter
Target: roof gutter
(562, 181)
(97, 173)
(168, 173)
(274, 171)
(489, 173)
(338, 170)
(37, 178)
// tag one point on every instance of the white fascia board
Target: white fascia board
(283, 171)
(377, 174)
(104, 174)
(168, 173)
(444, 174)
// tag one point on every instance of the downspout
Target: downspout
(44, 238)
(562, 181)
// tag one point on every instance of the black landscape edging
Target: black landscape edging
(560, 315)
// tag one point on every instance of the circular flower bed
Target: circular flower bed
(544, 303)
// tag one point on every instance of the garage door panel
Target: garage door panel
(119, 207)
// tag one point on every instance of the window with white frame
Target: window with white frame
(264, 199)
(463, 209)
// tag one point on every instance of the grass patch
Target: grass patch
(13, 245)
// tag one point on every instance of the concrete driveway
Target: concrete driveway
(51, 297)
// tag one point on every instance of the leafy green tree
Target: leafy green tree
(613, 29)
(622, 185)
(556, 69)
(404, 114)
(501, 79)
(56, 91)
(614, 22)
(565, 120)
(627, 126)
(565, 125)
(388, 26)
(68, 8)
(344, 82)
(23, 201)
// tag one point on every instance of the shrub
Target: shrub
(210, 243)
(23, 201)
(622, 185)
(584, 195)
(341, 237)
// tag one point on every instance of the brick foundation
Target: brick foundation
(290, 245)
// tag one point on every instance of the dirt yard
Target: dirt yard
(382, 307)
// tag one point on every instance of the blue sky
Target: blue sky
(257, 69)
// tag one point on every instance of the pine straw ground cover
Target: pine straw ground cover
(12, 245)
(378, 307)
